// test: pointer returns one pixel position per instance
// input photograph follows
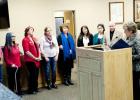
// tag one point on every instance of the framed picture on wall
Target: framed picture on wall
(136, 10)
(116, 12)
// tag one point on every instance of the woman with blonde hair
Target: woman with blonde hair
(49, 50)
(133, 39)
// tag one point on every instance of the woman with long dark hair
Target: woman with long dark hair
(85, 38)
(32, 59)
(13, 64)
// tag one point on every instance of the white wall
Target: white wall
(40, 13)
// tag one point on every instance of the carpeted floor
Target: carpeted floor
(62, 93)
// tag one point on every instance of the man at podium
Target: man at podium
(113, 32)
(133, 39)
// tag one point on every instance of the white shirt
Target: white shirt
(45, 48)
(100, 36)
(85, 41)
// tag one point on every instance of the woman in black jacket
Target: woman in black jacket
(85, 38)
(67, 54)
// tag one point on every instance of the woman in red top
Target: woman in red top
(12, 59)
(32, 59)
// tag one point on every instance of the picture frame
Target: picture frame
(136, 11)
(116, 12)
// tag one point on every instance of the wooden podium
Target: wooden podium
(105, 75)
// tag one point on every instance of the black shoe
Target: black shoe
(70, 83)
(20, 94)
(36, 90)
(66, 83)
(31, 92)
(54, 86)
(49, 87)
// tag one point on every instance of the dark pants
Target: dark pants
(64, 67)
(1, 73)
(51, 64)
(14, 79)
(32, 76)
(68, 65)
(136, 85)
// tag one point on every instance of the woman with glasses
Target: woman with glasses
(49, 50)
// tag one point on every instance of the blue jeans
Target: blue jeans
(1, 73)
(51, 64)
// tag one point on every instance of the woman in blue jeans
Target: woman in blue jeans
(49, 49)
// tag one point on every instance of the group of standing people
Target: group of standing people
(86, 38)
(47, 49)
(62, 50)
(132, 37)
